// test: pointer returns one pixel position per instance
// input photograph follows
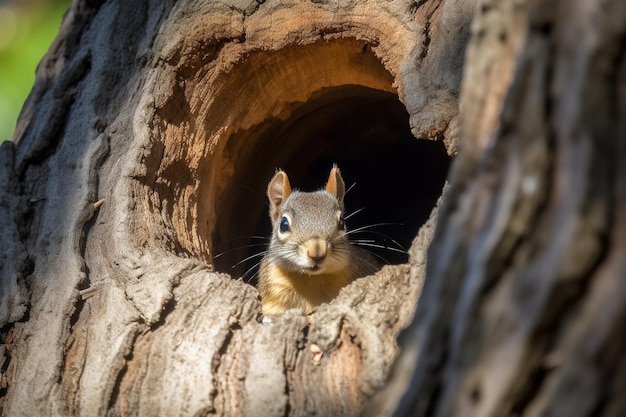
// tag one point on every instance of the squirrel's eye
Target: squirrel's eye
(341, 223)
(284, 224)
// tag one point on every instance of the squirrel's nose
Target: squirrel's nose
(316, 249)
(317, 258)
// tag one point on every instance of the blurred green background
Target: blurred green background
(27, 29)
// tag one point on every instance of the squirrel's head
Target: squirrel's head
(309, 232)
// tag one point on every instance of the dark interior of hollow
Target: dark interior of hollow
(394, 179)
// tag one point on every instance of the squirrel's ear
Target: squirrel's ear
(335, 185)
(277, 192)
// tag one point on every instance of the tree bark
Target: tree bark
(523, 306)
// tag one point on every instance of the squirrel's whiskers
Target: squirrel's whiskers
(342, 255)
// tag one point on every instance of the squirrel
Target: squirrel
(310, 257)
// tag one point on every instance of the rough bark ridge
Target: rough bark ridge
(523, 308)
(113, 308)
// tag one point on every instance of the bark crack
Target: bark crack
(220, 390)
(37, 146)
(125, 354)
(292, 357)
(428, 9)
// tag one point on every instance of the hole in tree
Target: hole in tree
(394, 179)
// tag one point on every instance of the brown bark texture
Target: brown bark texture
(121, 175)
(524, 301)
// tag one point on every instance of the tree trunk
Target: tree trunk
(523, 306)
(153, 127)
